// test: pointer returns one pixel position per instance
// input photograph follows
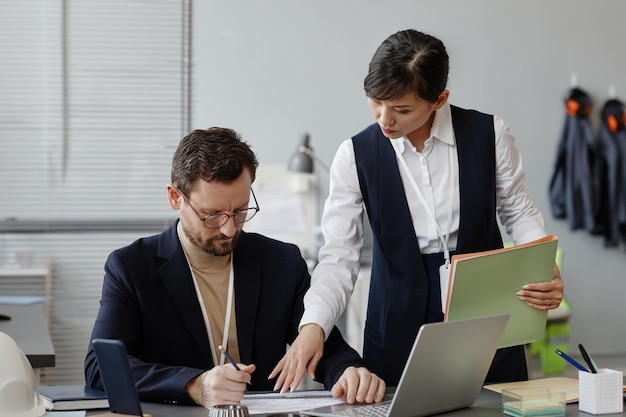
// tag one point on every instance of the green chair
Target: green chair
(556, 335)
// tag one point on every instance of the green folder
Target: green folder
(485, 284)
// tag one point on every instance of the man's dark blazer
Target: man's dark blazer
(149, 302)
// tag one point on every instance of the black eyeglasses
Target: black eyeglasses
(213, 221)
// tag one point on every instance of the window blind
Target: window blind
(94, 97)
(92, 106)
(30, 102)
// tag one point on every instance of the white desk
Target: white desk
(29, 330)
(489, 404)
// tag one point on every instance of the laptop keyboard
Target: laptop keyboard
(369, 410)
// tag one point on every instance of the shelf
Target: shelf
(32, 281)
(23, 272)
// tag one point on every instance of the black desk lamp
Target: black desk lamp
(302, 159)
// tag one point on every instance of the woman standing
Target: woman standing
(433, 178)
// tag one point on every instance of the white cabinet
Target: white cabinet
(32, 281)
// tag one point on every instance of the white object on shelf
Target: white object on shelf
(30, 282)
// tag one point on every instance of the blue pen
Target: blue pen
(230, 358)
(570, 360)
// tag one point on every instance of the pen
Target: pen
(587, 358)
(230, 358)
(570, 360)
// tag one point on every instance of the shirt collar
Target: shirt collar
(442, 125)
(441, 130)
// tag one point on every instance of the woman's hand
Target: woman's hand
(303, 355)
(544, 295)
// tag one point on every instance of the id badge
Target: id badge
(444, 281)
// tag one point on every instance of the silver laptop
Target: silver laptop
(445, 371)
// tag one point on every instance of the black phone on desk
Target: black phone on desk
(116, 376)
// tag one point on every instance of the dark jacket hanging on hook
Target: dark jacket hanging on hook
(572, 192)
(611, 162)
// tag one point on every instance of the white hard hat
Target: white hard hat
(18, 392)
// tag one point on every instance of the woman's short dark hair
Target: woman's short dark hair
(408, 61)
(215, 154)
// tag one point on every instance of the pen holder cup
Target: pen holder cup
(539, 401)
(229, 411)
(600, 393)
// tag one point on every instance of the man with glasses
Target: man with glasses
(203, 292)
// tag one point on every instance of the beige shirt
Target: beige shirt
(212, 274)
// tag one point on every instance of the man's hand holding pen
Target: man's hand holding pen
(221, 385)
(224, 384)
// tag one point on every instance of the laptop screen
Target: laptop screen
(445, 370)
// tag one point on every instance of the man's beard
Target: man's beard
(210, 246)
(217, 249)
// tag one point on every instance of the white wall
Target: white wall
(277, 68)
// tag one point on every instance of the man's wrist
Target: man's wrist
(193, 388)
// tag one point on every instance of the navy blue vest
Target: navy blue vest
(399, 287)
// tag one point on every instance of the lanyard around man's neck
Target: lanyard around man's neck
(229, 306)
